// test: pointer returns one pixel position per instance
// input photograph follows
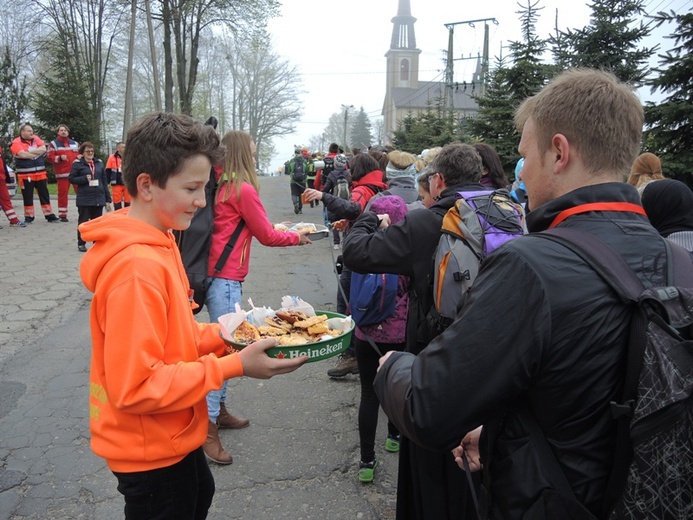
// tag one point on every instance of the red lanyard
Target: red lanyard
(91, 167)
(627, 207)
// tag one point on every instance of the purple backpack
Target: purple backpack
(478, 223)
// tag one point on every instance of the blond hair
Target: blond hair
(600, 117)
(238, 165)
(401, 160)
(431, 155)
(646, 167)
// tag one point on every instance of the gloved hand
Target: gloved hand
(109, 207)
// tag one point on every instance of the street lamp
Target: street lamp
(346, 115)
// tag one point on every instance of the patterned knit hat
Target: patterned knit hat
(340, 161)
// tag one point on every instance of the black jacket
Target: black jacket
(330, 183)
(90, 195)
(406, 248)
(540, 327)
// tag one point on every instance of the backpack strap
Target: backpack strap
(614, 270)
(228, 248)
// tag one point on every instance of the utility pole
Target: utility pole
(449, 67)
(346, 115)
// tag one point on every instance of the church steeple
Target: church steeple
(403, 56)
(402, 62)
(403, 36)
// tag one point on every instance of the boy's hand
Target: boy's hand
(257, 364)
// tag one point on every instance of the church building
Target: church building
(404, 93)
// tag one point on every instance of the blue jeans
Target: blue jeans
(222, 297)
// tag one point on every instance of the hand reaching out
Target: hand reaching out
(310, 195)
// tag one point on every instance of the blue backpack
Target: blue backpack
(372, 297)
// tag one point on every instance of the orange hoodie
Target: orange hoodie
(152, 364)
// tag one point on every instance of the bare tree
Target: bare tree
(184, 24)
(265, 91)
(85, 31)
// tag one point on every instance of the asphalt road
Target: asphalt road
(297, 460)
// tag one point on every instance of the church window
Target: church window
(404, 70)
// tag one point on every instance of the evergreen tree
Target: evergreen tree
(495, 123)
(669, 131)
(609, 42)
(527, 74)
(63, 97)
(13, 101)
(360, 132)
(434, 127)
(509, 86)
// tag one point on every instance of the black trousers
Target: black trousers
(41, 189)
(85, 214)
(183, 491)
(367, 359)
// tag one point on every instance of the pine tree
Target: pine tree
(509, 86)
(494, 123)
(63, 98)
(434, 127)
(360, 132)
(669, 131)
(609, 42)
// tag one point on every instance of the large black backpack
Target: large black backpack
(652, 475)
(329, 167)
(299, 174)
(194, 244)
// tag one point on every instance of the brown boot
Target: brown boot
(213, 448)
(228, 421)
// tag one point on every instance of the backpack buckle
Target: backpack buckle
(460, 276)
(620, 410)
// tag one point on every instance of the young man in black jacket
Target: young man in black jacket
(541, 330)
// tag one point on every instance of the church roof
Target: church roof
(428, 93)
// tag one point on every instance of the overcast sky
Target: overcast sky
(339, 47)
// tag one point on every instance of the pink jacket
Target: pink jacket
(227, 216)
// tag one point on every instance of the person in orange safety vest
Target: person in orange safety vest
(115, 176)
(62, 152)
(29, 151)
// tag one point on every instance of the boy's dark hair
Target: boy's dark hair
(334, 148)
(159, 143)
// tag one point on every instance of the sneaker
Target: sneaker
(392, 443)
(54, 220)
(336, 246)
(345, 365)
(19, 223)
(82, 248)
(28, 220)
(64, 219)
(296, 210)
(367, 471)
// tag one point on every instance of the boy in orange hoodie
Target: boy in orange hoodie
(152, 367)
